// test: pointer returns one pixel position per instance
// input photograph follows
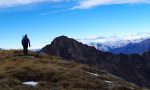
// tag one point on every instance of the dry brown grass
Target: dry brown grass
(52, 73)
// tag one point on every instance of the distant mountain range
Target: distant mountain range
(133, 48)
(133, 68)
(130, 44)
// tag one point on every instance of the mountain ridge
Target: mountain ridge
(133, 68)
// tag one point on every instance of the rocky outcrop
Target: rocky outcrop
(70, 49)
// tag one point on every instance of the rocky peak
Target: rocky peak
(69, 48)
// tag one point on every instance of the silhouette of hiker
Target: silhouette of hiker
(25, 44)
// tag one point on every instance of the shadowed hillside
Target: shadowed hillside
(53, 73)
(133, 68)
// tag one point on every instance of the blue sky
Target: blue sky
(43, 20)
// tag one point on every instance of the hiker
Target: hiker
(25, 44)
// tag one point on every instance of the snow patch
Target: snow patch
(94, 74)
(30, 83)
(109, 82)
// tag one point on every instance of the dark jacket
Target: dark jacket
(25, 41)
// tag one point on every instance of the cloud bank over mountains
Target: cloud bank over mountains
(78, 4)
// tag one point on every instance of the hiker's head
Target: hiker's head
(25, 36)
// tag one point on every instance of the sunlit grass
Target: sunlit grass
(52, 73)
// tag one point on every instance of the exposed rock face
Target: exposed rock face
(133, 68)
(71, 49)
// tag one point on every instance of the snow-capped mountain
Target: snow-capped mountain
(112, 42)
(133, 48)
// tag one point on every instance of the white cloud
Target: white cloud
(81, 4)
(85, 4)
(12, 3)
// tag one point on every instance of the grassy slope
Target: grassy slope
(52, 73)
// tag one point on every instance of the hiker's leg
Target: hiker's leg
(25, 46)
(27, 50)
(24, 51)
